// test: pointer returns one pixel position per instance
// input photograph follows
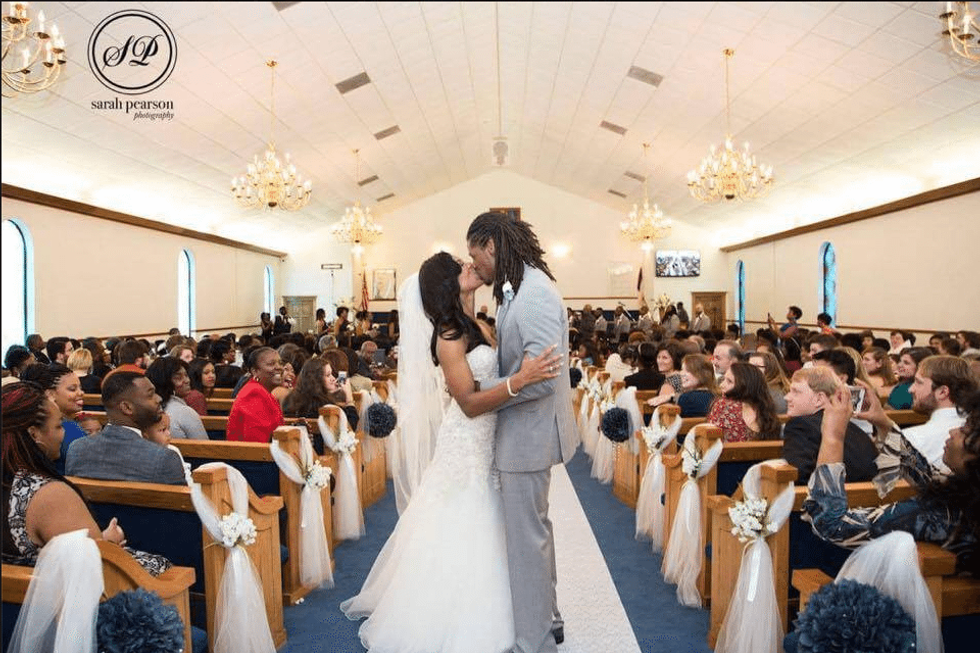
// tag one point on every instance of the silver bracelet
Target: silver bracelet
(509, 391)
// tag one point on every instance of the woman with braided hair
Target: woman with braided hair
(62, 386)
(38, 502)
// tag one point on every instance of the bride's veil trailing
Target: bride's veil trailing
(421, 393)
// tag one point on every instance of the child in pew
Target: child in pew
(39, 502)
(88, 423)
(946, 511)
(159, 433)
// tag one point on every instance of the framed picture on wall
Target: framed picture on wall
(383, 283)
(678, 263)
(512, 211)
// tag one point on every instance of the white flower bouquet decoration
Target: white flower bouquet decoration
(237, 529)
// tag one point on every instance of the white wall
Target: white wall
(98, 277)
(589, 229)
(917, 269)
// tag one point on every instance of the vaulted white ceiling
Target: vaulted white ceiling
(853, 103)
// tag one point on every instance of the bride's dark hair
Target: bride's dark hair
(439, 285)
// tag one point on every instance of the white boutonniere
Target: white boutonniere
(508, 291)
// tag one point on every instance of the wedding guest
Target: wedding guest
(648, 377)
(80, 362)
(776, 379)
(810, 392)
(284, 323)
(63, 388)
(256, 413)
(317, 386)
(59, 349)
(17, 359)
(939, 389)
(169, 378)
(698, 387)
(745, 410)
(267, 326)
(42, 503)
(118, 452)
(202, 376)
(158, 432)
(945, 510)
(900, 397)
(879, 367)
(36, 344)
(320, 324)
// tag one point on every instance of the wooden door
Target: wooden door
(714, 307)
(302, 308)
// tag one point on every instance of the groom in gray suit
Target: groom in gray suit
(535, 428)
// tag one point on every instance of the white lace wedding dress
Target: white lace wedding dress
(440, 584)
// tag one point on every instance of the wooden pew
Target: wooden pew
(218, 406)
(221, 393)
(215, 425)
(794, 540)
(254, 460)
(147, 511)
(374, 474)
(952, 595)
(629, 467)
(92, 402)
(331, 414)
(381, 387)
(120, 573)
(705, 436)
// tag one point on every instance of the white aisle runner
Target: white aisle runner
(595, 619)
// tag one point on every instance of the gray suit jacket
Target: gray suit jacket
(536, 429)
(118, 453)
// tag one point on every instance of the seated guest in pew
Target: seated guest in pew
(293, 359)
(80, 362)
(17, 359)
(879, 367)
(169, 378)
(119, 452)
(256, 413)
(776, 379)
(39, 503)
(900, 397)
(61, 386)
(947, 508)
(698, 387)
(131, 356)
(159, 431)
(35, 343)
(745, 410)
(940, 387)
(648, 377)
(810, 390)
(222, 355)
(202, 376)
(620, 364)
(184, 352)
(723, 355)
(317, 386)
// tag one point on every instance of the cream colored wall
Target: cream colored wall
(98, 277)
(917, 269)
(589, 229)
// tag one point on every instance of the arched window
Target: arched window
(740, 295)
(18, 283)
(185, 292)
(828, 281)
(269, 291)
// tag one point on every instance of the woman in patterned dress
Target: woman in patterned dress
(39, 503)
(946, 510)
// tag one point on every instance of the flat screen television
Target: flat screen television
(678, 263)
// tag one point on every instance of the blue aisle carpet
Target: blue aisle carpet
(661, 625)
(317, 625)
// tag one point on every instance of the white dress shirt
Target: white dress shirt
(930, 438)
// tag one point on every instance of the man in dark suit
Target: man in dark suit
(805, 401)
(119, 452)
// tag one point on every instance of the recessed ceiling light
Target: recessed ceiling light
(616, 129)
(617, 193)
(383, 198)
(645, 76)
(365, 182)
(385, 133)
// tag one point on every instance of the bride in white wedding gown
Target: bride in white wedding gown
(441, 584)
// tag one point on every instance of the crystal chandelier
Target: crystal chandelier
(729, 174)
(32, 59)
(270, 182)
(961, 28)
(646, 225)
(356, 226)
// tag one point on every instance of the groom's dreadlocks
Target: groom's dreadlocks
(514, 245)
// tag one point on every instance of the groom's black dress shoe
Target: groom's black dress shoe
(559, 634)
